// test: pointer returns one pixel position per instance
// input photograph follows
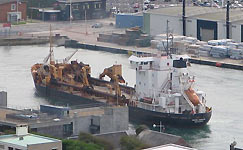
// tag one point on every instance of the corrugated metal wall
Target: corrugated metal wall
(128, 21)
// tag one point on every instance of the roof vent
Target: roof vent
(21, 138)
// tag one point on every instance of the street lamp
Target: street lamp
(70, 12)
(160, 126)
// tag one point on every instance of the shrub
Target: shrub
(88, 138)
(132, 143)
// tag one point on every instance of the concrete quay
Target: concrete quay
(82, 35)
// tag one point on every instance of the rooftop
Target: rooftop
(76, 1)
(9, 1)
(28, 139)
(170, 147)
(204, 13)
(154, 138)
(177, 11)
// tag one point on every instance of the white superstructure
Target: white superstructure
(164, 84)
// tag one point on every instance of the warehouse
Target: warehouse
(204, 23)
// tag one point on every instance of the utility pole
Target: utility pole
(85, 17)
(31, 11)
(70, 19)
(167, 37)
(17, 11)
(227, 21)
(184, 17)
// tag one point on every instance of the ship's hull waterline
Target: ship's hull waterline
(136, 115)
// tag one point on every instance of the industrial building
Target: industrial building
(81, 9)
(12, 10)
(204, 23)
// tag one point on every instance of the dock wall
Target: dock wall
(75, 44)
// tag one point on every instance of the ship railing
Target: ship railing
(151, 107)
(188, 100)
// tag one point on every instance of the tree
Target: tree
(88, 138)
(78, 145)
(132, 143)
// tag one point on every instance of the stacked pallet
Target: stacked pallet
(219, 51)
(236, 53)
(132, 36)
(193, 49)
(204, 50)
(104, 38)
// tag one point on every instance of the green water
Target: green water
(224, 88)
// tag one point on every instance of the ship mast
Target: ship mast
(52, 60)
(168, 50)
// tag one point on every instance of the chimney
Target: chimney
(21, 130)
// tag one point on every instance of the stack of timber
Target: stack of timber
(132, 36)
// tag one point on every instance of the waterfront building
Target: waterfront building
(81, 9)
(204, 23)
(12, 10)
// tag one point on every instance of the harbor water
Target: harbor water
(224, 88)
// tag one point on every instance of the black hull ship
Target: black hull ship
(163, 91)
(89, 90)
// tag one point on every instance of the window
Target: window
(13, 6)
(97, 6)
(75, 6)
(85, 6)
(54, 148)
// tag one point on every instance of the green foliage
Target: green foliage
(140, 128)
(88, 138)
(9, 131)
(79, 145)
(19, 23)
(132, 143)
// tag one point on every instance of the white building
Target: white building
(170, 147)
(23, 140)
(204, 23)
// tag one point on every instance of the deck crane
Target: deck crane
(114, 73)
(65, 60)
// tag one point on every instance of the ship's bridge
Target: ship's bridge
(141, 63)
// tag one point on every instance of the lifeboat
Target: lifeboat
(191, 94)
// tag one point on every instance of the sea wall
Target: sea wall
(75, 44)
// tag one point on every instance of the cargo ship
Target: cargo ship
(163, 92)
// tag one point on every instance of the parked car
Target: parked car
(97, 25)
